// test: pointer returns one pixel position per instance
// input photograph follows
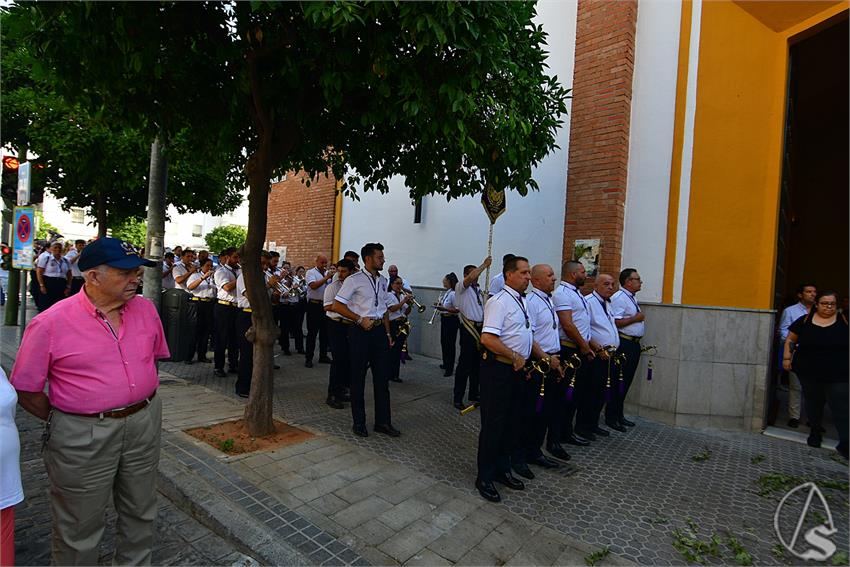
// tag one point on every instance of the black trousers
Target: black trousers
(592, 399)
(568, 420)
(55, 292)
(448, 340)
(226, 339)
(501, 395)
(297, 328)
(467, 366)
(316, 325)
(548, 424)
(394, 357)
(77, 285)
(246, 353)
(527, 446)
(287, 316)
(816, 394)
(203, 328)
(369, 348)
(339, 376)
(189, 332)
(631, 350)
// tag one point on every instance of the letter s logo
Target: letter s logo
(817, 538)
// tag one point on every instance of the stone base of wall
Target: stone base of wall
(711, 369)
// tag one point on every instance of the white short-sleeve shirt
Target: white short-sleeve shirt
(168, 280)
(497, 283)
(314, 275)
(603, 330)
(54, 268)
(624, 305)
(224, 275)
(469, 302)
(205, 289)
(180, 269)
(544, 320)
(75, 269)
(241, 299)
(392, 300)
(506, 316)
(448, 300)
(330, 292)
(568, 298)
(364, 294)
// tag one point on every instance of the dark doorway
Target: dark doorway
(813, 234)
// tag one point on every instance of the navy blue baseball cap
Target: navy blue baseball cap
(111, 252)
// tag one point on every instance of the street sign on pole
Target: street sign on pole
(24, 184)
(22, 246)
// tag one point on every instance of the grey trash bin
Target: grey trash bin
(179, 318)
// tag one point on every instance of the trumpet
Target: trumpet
(436, 303)
(540, 366)
(419, 307)
(651, 349)
(286, 291)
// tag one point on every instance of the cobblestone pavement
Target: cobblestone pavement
(628, 492)
(180, 540)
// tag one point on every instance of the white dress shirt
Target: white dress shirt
(603, 330)
(393, 300)
(75, 269)
(364, 294)
(448, 301)
(241, 299)
(180, 269)
(314, 275)
(469, 302)
(168, 281)
(330, 292)
(497, 283)
(506, 316)
(224, 275)
(544, 320)
(54, 268)
(624, 305)
(205, 289)
(789, 315)
(568, 298)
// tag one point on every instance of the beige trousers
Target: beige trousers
(88, 459)
(794, 396)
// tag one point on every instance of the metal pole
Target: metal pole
(487, 273)
(23, 315)
(154, 240)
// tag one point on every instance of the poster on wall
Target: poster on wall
(586, 251)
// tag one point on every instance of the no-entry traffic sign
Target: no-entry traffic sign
(22, 248)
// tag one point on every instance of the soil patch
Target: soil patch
(232, 437)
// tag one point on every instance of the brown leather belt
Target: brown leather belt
(319, 301)
(568, 344)
(120, 412)
(630, 338)
(498, 357)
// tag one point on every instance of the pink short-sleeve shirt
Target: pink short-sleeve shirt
(88, 369)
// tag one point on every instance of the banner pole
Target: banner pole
(487, 273)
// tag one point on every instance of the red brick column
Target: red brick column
(599, 127)
(302, 218)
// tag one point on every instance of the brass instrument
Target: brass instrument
(573, 363)
(419, 307)
(436, 303)
(540, 366)
(403, 333)
(286, 291)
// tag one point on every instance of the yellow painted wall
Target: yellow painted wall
(735, 178)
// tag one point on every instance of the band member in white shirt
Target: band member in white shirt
(630, 323)
(362, 299)
(53, 272)
(339, 380)
(202, 288)
(167, 271)
(317, 278)
(393, 271)
(497, 282)
(184, 268)
(398, 307)
(449, 324)
(73, 256)
(470, 304)
(507, 338)
(225, 312)
(604, 339)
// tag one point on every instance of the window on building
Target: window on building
(78, 215)
(196, 230)
(417, 211)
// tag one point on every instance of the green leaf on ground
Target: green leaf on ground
(703, 455)
(757, 459)
(597, 556)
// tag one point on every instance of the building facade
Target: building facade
(706, 146)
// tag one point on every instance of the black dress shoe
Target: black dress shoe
(360, 431)
(585, 434)
(574, 439)
(545, 462)
(277, 367)
(522, 470)
(242, 394)
(487, 491)
(616, 426)
(510, 481)
(795, 423)
(448, 373)
(300, 351)
(387, 430)
(334, 403)
(442, 367)
(600, 431)
(459, 405)
(814, 441)
(325, 360)
(473, 398)
(626, 422)
(344, 398)
(190, 361)
(309, 364)
(205, 360)
(287, 353)
(399, 380)
(557, 451)
(220, 373)
(232, 370)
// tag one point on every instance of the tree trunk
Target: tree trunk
(263, 332)
(154, 247)
(101, 215)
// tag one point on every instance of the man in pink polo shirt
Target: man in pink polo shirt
(97, 352)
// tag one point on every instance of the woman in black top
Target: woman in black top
(819, 345)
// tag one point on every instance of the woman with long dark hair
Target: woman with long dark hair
(449, 323)
(817, 350)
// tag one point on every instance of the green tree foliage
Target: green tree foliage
(43, 228)
(222, 237)
(132, 230)
(454, 97)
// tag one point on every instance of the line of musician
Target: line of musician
(542, 362)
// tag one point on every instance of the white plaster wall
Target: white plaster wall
(651, 142)
(454, 234)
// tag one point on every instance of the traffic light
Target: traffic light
(9, 185)
(6, 262)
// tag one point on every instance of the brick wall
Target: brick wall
(302, 218)
(599, 131)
